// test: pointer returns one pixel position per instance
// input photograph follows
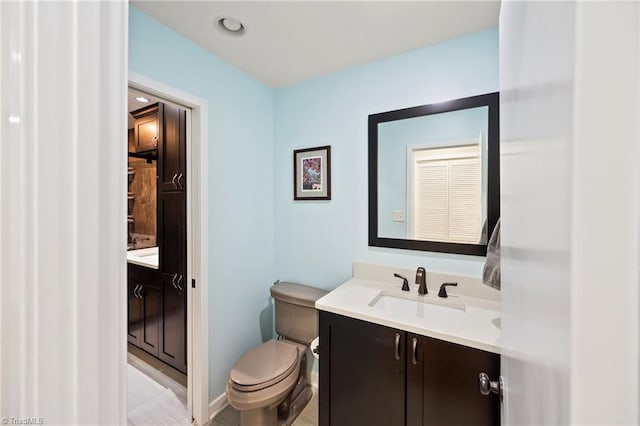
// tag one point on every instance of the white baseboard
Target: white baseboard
(217, 405)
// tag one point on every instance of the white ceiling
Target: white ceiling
(289, 41)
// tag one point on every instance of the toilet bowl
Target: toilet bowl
(268, 384)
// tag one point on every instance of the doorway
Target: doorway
(191, 182)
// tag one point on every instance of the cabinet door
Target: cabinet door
(362, 373)
(173, 347)
(135, 318)
(172, 235)
(150, 336)
(147, 128)
(442, 384)
(172, 150)
(172, 242)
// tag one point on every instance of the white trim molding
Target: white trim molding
(197, 240)
(63, 74)
(217, 405)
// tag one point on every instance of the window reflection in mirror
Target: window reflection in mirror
(434, 178)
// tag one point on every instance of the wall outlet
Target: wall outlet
(398, 216)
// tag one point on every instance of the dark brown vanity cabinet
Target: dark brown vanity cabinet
(442, 384)
(362, 373)
(147, 129)
(374, 375)
(172, 151)
(144, 309)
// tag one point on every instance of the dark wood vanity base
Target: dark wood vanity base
(375, 375)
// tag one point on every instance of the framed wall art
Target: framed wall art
(312, 173)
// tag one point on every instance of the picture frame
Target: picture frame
(312, 173)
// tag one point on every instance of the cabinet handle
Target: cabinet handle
(135, 291)
(414, 357)
(140, 295)
(397, 346)
(178, 283)
(155, 141)
(173, 281)
(173, 180)
(180, 176)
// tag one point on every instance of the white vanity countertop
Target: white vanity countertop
(478, 326)
(147, 257)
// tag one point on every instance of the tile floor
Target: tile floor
(154, 396)
(157, 395)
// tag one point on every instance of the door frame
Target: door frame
(197, 240)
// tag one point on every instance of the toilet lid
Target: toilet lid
(264, 366)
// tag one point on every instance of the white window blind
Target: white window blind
(432, 196)
(446, 194)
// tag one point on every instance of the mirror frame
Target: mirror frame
(490, 100)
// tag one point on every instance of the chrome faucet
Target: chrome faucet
(421, 280)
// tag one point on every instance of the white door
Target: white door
(62, 207)
(570, 212)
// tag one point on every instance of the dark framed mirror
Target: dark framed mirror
(434, 176)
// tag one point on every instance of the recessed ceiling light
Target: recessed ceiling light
(230, 25)
(142, 99)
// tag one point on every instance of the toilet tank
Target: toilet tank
(296, 315)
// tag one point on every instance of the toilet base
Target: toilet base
(279, 410)
(267, 416)
(298, 405)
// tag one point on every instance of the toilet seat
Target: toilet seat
(264, 366)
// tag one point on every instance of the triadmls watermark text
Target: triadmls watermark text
(23, 420)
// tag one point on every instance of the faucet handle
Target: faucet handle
(405, 283)
(443, 289)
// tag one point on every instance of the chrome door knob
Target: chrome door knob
(486, 386)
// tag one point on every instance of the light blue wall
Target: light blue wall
(240, 190)
(437, 130)
(257, 232)
(317, 242)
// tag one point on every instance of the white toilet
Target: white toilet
(268, 384)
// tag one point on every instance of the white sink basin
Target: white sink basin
(149, 254)
(421, 310)
(147, 257)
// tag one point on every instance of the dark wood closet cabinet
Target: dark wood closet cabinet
(147, 129)
(166, 295)
(172, 150)
(173, 276)
(144, 306)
